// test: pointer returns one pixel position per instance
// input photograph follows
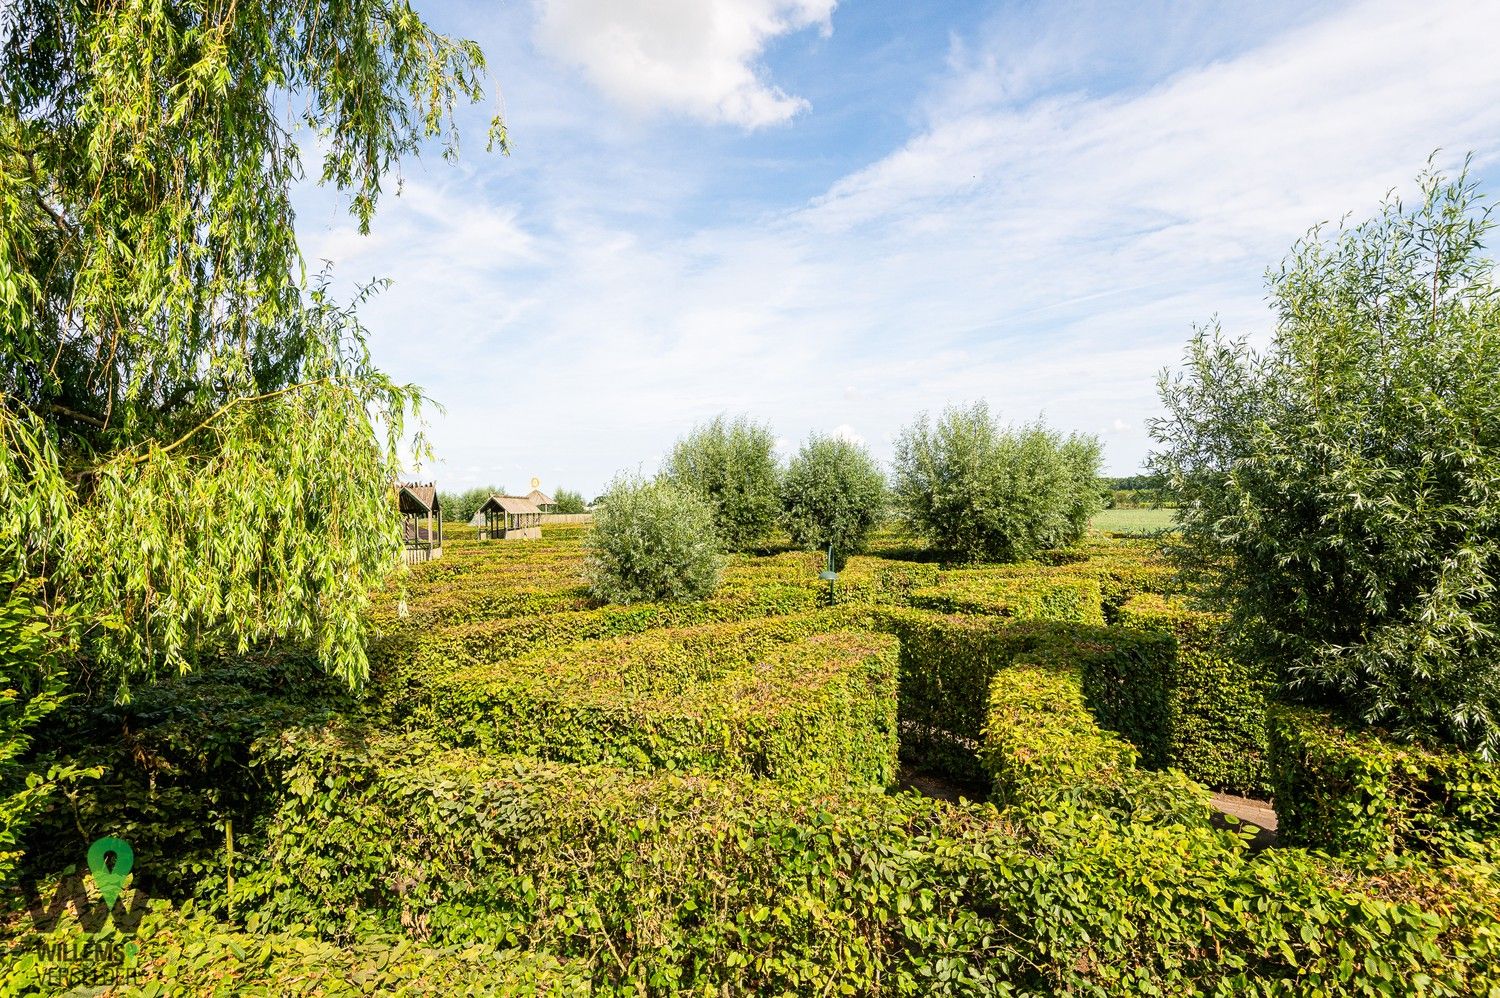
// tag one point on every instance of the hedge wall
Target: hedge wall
(1044, 750)
(405, 662)
(776, 697)
(1074, 600)
(182, 952)
(732, 886)
(176, 764)
(1215, 724)
(1348, 791)
(948, 663)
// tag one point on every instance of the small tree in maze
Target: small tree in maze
(833, 493)
(978, 490)
(1338, 489)
(652, 541)
(731, 464)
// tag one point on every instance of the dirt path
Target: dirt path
(1250, 812)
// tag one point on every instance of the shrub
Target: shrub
(1343, 790)
(832, 494)
(1337, 487)
(180, 951)
(1216, 721)
(735, 886)
(780, 697)
(568, 501)
(731, 465)
(978, 491)
(1044, 750)
(652, 541)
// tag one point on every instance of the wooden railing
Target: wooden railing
(422, 552)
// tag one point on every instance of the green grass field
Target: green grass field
(1134, 521)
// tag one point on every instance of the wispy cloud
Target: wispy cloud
(1046, 249)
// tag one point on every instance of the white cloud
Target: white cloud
(698, 57)
(844, 431)
(1047, 254)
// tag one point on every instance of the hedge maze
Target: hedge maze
(699, 798)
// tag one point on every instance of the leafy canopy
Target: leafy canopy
(568, 501)
(195, 450)
(832, 493)
(731, 465)
(1340, 488)
(652, 541)
(460, 507)
(977, 490)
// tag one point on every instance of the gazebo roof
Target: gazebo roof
(539, 497)
(510, 504)
(418, 498)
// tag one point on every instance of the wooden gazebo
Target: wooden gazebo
(542, 501)
(510, 518)
(421, 521)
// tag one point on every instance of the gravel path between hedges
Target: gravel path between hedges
(1250, 812)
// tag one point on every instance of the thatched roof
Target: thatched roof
(510, 504)
(540, 498)
(418, 498)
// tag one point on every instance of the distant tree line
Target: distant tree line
(460, 507)
(972, 487)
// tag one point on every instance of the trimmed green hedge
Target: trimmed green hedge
(181, 952)
(406, 662)
(659, 883)
(1043, 750)
(877, 581)
(948, 663)
(1215, 724)
(775, 697)
(1349, 791)
(1073, 600)
(177, 765)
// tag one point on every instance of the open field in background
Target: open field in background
(1139, 522)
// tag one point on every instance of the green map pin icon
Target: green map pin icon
(109, 877)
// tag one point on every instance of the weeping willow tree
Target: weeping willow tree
(195, 449)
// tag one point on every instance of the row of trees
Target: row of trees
(974, 488)
(460, 507)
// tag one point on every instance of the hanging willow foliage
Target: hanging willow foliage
(198, 452)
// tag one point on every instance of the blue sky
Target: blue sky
(834, 216)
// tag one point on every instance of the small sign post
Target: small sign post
(829, 575)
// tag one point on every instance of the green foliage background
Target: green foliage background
(195, 449)
(460, 507)
(569, 501)
(1338, 487)
(832, 492)
(731, 465)
(977, 490)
